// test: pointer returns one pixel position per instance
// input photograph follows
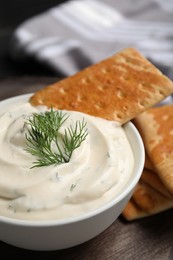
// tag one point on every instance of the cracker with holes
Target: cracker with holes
(149, 197)
(156, 128)
(154, 192)
(146, 201)
(118, 88)
(153, 180)
(133, 212)
(150, 200)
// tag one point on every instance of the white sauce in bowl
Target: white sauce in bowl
(97, 172)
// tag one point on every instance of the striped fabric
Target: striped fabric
(73, 35)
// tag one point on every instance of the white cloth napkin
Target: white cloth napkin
(78, 33)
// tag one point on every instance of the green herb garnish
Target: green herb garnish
(47, 143)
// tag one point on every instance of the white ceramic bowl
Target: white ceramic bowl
(60, 234)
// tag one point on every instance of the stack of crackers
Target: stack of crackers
(154, 192)
(125, 87)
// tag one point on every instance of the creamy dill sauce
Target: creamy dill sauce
(97, 172)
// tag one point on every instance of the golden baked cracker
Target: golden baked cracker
(143, 199)
(152, 179)
(156, 129)
(149, 200)
(118, 88)
(148, 165)
(132, 211)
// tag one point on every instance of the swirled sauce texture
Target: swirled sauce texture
(97, 172)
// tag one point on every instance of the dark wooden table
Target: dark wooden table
(146, 239)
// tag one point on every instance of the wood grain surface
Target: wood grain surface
(145, 239)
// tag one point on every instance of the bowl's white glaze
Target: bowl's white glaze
(53, 235)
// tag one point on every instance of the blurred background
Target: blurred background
(12, 14)
(59, 38)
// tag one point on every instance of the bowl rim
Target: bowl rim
(92, 213)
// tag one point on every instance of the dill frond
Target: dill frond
(47, 144)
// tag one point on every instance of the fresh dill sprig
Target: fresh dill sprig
(47, 143)
(73, 137)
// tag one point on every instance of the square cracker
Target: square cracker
(156, 128)
(132, 211)
(118, 88)
(153, 180)
(145, 202)
(149, 200)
